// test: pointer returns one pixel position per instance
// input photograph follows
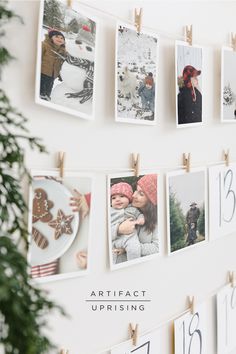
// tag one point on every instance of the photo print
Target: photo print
(65, 78)
(228, 85)
(147, 344)
(222, 200)
(132, 219)
(186, 204)
(136, 75)
(59, 223)
(190, 332)
(188, 63)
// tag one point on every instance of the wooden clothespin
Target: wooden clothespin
(69, 2)
(189, 34)
(233, 41)
(61, 163)
(186, 161)
(232, 279)
(133, 333)
(191, 302)
(64, 351)
(226, 157)
(136, 163)
(138, 19)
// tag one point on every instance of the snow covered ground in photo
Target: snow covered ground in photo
(72, 79)
(138, 53)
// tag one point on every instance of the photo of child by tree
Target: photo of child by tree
(186, 204)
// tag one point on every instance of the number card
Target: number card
(147, 344)
(222, 200)
(226, 320)
(190, 332)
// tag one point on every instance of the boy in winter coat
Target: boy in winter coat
(147, 93)
(51, 63)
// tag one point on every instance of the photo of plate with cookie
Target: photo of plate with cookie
(54, 224)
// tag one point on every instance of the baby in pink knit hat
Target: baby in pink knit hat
(121, 210)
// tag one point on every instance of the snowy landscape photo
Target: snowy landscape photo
(65, 77)
(136, 76)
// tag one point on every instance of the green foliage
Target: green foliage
(22, 305)
(201, 222)
(53, 15)
(12, 168)
(177, 224)
(5, 16)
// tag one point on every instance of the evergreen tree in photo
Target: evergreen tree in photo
(201, 222)
(53, 16)
(22, 306)
(228, 96)
(73, 26)
(177, 223)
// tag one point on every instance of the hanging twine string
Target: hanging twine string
(114, 17)
(164, 323)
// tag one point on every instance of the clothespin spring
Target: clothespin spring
(133, 333)
(136, 164)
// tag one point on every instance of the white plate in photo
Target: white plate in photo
(60, 196)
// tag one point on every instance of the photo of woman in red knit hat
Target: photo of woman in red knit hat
(133, 219)
(188, 85)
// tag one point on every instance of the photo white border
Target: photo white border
(130, 120)
(140, 259)
(187, 125)
(223, 50)
(52, 105)
(177, 173)
(55, 173)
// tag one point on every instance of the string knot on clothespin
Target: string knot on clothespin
(138, 19)
(186, 161)
(233, 41)
(189, 34)
(133, 331)
(226, 157)
(192, 305)
(232, 279)
(136, 163)
(61, 163)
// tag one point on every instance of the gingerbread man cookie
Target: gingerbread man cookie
(41, 206)
(62, 224)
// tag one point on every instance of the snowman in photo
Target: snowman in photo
(76, 89)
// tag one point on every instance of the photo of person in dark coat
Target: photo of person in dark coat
(189, 97)
(191, 220)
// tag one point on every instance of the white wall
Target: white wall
(168, 280)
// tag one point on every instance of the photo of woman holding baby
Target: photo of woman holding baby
(133, 219)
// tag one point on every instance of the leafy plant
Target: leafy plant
(22, 305)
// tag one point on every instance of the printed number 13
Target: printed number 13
(192, 332)
(228, 181)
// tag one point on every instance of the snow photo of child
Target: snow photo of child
(53, 44)
(136, 71)
(67, 68)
